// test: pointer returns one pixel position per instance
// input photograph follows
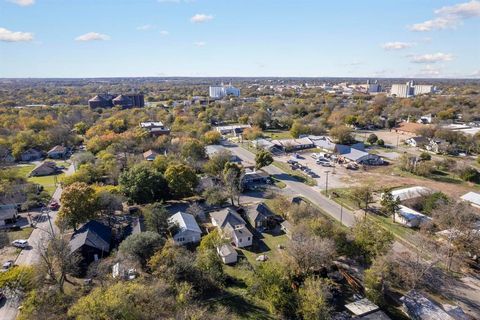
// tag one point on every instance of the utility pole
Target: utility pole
(326, 183)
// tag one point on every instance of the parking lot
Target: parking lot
(338, 175)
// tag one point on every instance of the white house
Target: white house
(187, 230)
(227, 253)
(409, 217)
(473, 198)
(233, 227)
(417, 142)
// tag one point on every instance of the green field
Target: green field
(48, 182)
(22, 234)
(277, 134)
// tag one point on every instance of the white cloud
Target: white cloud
(397, 45)
(23, 3)
(449, 16)
(92, 36)
(145, 27)
(164, 33)
(432, 57)
(475, 74)
(200, 44)
(15, 36)
(201, 17)
(462, 10)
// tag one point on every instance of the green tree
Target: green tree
(313, 299)
(156, 218)
(193, 150)
(363, 195)
(380, 142)
(215, 196)
(211, 241)
(214, 166)
(390, 204)
(272, 284)
(79, 204)
(141, 246)
(181, 179)
(143, 184)
(375, 280)
(298, 129)
(372, 138)
(342, 135)
(371, 239)
(263, 158)
(212, 137)
(425, 156)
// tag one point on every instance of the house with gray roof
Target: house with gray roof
(227, 253)
(232, 226)
(356, 153)
(91, 241)
(8, 214)
(185, 228)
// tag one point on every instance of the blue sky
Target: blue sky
(114, 38)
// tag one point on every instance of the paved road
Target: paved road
(466, 292)
(295, 187)
(29, 256)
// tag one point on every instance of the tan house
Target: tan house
(45, 168)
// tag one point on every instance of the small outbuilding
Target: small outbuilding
(410, 218)
(227, 253)
(57, 152)
(473, 198)
(150, 155)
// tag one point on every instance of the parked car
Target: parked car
(290, 161)
(7, 265)
(326, 164)
(54, 205)
(21, 243)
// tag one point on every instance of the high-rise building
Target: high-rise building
(410, 89)
(219, 92)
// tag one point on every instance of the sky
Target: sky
(244, 38)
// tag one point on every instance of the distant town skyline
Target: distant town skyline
(240, 38)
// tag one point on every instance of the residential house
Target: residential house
(439, 146)
(215, 149)
(233, 226)
(184, 228)
(31, 155)
(419, 307)
(417, 142)
(264, 144)
(8, 214)
(227, 253)
(44, 169)
(155, 128)
(260, 216)
(91, 241)
(255, 176)
(473, 198)
(410, 218)
(57, 152)
(150, 155)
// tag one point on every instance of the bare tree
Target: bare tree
(308, 252)
(57, 258)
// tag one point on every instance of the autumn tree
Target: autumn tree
(181, 180)
(263, 158)
(342, 135)
(79, 204)
(314, 295)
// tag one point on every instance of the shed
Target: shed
(411, 193)
(227, 253)
(410, 217)
(362, 307)
(287, 227)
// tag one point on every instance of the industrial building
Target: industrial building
(124, 101)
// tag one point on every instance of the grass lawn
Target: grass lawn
(22, 234)
(277, 134)
(279, 184)
(48, 182)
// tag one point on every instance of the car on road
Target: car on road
(20, 243)
(54, 205)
